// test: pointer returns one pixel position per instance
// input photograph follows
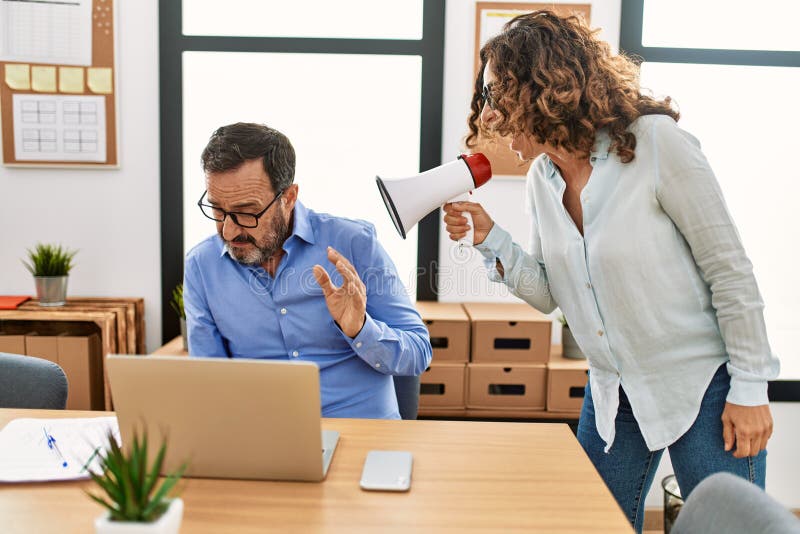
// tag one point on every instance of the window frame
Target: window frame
(630, 42)
(172, 44)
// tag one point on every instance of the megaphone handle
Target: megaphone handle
(468, 239)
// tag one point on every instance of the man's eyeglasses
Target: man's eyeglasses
(486, 95)
(245, 220)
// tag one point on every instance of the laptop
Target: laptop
(228, 418)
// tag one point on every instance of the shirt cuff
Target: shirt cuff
(367, 345)
(496, 246)
(747, 393)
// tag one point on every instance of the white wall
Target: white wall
(111, 216)
(465, 280)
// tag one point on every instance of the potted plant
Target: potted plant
(50, 266)
(570, 348)
(133, 500)
(177, 305)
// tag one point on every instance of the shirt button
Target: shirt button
(358, 345)
(600, 333)
(588, 285)
(283, 311)
(378, 365)
(593, 158)
(295, 354)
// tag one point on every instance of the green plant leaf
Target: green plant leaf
(177, 301)
(49, 260)
(129, 481)
(152, 477)
(141, 475)
(161, 493)
(108, 485)
(107, 505)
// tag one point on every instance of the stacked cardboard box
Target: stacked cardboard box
(75, 347)
(12, 343)
(566, 380)
(442, 385)
(80, 358)
(486, 356)
(497, 358)
(510, 351)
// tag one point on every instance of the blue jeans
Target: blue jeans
(629, 467)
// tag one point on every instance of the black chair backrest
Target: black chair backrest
(407, 390)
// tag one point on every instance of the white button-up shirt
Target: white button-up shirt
(658, 292)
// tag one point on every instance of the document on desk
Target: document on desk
(39, 450)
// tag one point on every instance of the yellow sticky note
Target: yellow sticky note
(99, 80)
(70, 79)
(18, 76)
(43, 79)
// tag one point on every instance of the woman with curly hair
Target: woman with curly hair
(631, 237)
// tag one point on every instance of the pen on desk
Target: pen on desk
(51, 444)
(86, 465)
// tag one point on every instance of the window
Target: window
(366, 123)
(356, 95)
(736, 91)
(721, 25)
(343, 19)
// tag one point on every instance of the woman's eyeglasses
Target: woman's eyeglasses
(486, 95)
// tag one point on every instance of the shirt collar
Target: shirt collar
(602, 142)
(301, 227)
(302, 224)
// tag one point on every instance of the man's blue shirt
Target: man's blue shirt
(240, 311)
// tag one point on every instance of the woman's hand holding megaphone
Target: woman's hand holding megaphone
(457, 225)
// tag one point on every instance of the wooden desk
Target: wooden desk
(468, 476)
(173, 348)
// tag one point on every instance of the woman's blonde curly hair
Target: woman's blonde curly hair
(558, 82)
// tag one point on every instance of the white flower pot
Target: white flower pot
(169, 523)
(570, 346)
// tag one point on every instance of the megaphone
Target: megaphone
(410, 199)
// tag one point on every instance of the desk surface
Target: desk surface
(467, 476)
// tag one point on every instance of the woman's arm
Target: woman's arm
(523, 273)
(689, 193)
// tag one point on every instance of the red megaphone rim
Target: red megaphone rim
(479, 167)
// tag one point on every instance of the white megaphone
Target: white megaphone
(410, 199)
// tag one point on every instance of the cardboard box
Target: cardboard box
(566, 380)
(442, 386)
(80, 358)
(12, 344)
(506, 333)
(449, 328)
(509, 386)
(45, 347)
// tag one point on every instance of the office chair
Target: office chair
(28, 382)
(725, 503)
(407, 390)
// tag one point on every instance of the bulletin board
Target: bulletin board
(489, 20)
(58, 99)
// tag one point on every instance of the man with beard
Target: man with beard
(281, 281)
